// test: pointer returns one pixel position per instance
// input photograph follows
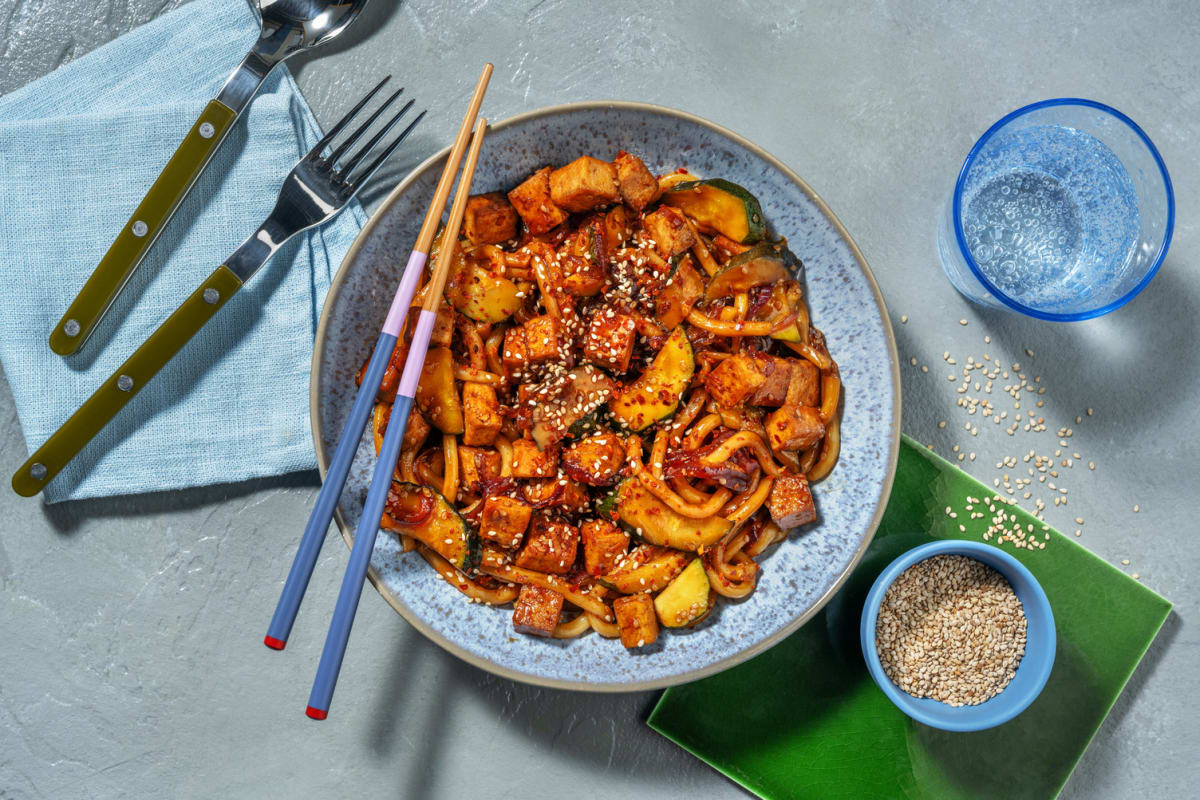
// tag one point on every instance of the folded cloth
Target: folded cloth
(79, 149)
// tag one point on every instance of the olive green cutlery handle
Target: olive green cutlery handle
(139, 233)
(126, 382)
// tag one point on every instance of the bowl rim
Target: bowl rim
(893, 443)
(1013, 303)
(907, 703)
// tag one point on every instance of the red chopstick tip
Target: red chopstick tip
(316, 713)
(273, 643)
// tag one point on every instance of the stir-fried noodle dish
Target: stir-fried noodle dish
(623, 407)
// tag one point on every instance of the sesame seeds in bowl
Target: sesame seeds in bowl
(959, 635)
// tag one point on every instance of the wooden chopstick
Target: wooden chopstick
(368, 524)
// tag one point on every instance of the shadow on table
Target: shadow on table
(603, 731)
(66, 517)
(1119, 357)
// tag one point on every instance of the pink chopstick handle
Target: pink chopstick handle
(394, 324)
(416, 354)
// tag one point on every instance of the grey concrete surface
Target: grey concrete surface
(130, 628)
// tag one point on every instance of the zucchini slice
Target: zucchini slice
(720, 205)
(483, 296)
(655, 394)
(684, 289)
(686, 600)
(761, 265)
(437, 396)
(438, 525)
(655, 522)
(646, 569)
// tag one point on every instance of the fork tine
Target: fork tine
(391, 148)
(336, 129)
(354, 161)
(344, 146)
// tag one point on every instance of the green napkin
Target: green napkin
(805, 719)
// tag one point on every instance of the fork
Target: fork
(316, 189)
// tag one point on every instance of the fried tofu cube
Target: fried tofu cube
(596, 460)
(804, 383)
(514, 355)
(790, 502)
(794, 428)
(568, 496)
(584, 277)
(481, 414)
(529, 462)
(537, 611)
(637, 185)
(477, 466)
(504, 520)
(532, 201)
(550, 546)
(584, 184)
(776, 374)
(636, 620)
(489, 219)
(416, 432)
(542, 339)
(609, 340)
(604, 544)
(734, 379)
(669, 229)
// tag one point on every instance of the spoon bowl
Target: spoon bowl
(292, 26)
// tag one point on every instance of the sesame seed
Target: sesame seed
(951, 628)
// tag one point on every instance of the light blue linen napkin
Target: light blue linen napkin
(78, 150)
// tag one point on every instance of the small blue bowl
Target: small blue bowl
(1032, 672)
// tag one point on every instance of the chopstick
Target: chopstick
(339, 466)
(381, 480)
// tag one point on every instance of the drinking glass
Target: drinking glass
(1063, 210)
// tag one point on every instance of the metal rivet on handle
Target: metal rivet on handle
(211, 296)
(71, 327)
(124, 383)
(207, 130)
(140, 228)
(38, 471)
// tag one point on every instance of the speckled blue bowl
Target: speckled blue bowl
(798, 576)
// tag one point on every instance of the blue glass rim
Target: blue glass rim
(1014, 304)
(1038, 662)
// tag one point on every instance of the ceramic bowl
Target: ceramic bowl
(800, 574)
(1032, 672)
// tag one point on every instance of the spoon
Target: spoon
(288, 27)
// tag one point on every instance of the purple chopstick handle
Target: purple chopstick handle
(394, 323)
(416, 354)
(368, 525)
(322, 514)
(339, 466)
(360, 559)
